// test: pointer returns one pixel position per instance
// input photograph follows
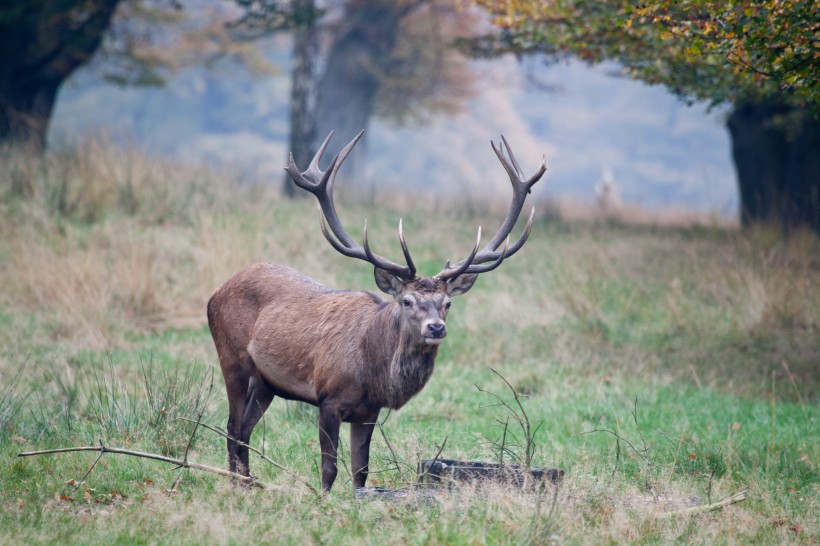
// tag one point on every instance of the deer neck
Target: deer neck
(404, 364)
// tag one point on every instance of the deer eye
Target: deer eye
(447, 305)
(408, 302)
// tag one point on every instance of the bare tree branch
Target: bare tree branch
(102, 449)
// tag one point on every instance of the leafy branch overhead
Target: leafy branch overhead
(719, 51)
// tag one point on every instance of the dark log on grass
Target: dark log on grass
(447, 472)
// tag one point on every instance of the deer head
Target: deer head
(424, 300)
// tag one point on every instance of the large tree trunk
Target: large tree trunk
(303, 90)
(361, 47)
(776, 151)
(41, 43)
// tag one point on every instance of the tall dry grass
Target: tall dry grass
(101, 243)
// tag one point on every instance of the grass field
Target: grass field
(664, 366)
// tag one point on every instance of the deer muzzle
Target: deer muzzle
(434, 332)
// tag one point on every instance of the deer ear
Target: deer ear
(387, 282)
(460, 285)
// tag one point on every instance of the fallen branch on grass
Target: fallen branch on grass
(732, 499)
(264, 457)
(180, 463)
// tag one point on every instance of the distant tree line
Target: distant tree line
(759, 56)
(42, 42)
(353, 59)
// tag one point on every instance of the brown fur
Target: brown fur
(279, 333)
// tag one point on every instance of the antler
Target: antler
(489, 257)
(320, 184)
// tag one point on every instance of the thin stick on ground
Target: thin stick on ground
(264, 457)
(395, 459)
(732, 499)
(198, 419)
(520, 416)
(90, 468)
(420, 477)
(177, 481)
(145, 455)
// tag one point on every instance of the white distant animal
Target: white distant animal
(606, 194)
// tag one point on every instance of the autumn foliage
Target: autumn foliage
(719, 51)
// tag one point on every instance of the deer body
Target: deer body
(351, 345)
(351, 353)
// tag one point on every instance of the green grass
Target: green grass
(666, 363)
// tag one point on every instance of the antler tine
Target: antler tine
(508, 250)
(447, 274)
(313, 179)
(410, 265)
(478, 264)
(521, 188)
(405, 272)
(342, 155)
(320, 184)
(314, 163)
(518, 170)
(349, 252)
(365, 253)
(476, 269)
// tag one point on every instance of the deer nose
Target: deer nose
(436, 329)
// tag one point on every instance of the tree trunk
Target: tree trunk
(41, 43)
(303, 91)
(25, 112)
(776, 151)
(361, 47)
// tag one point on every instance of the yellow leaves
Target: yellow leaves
(504, 21)
(61, 497)
(735, 44)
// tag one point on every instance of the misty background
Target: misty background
(586, 120)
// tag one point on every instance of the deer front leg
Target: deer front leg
(329, 422)
(360, 435)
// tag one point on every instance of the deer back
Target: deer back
(304, 339)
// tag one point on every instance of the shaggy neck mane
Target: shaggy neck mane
(400, 366)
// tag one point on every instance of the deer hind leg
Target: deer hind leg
(257, 401)
(236, 385)
(360, 435)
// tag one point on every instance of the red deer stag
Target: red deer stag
(279, 333)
